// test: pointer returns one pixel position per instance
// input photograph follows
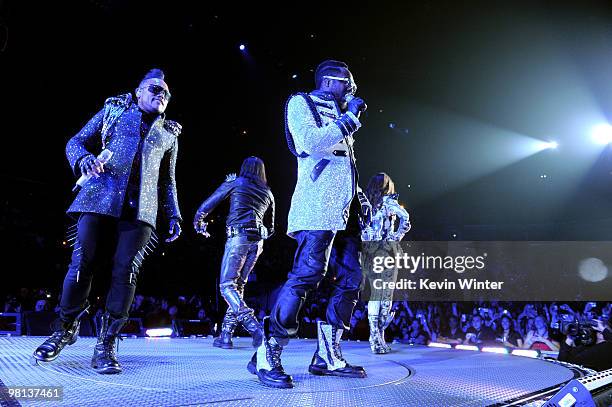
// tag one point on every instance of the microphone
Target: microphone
(349, 96)
(104, 157)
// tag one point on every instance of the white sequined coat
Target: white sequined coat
(320, 130)
(383, 224)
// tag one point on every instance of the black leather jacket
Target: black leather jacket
(249, 202)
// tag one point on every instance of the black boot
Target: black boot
(104, 359)
(249, 322)
(328, 359)
(266, 363)
(67, 335)
(224, 340)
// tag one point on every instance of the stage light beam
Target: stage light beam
(602, 133)
(552, 144)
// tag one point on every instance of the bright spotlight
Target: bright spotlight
(552, 144)
(242, 47)
(602, 133)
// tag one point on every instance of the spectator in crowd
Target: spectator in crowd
(539, 338)
(478, 333)
(417, 335)
(202, 315)
(452, 333)
(41, 306)
(597, 357)
(507, 335)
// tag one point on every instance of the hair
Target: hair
(253, 169)
(379, 186)
(329, 67)
(543, 318)
(509, 318)
(154, 73)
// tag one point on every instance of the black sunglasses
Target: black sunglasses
(157, 90)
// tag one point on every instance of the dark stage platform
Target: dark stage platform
(185, 372)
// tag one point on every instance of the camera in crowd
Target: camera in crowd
(582, 332)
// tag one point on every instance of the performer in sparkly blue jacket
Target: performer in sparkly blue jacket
(117, 205)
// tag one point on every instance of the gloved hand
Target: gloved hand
(174, 230)
(90, 165)
(366, 209)
(356, 106)
(270, 232)
(366, 213)
(200, 225)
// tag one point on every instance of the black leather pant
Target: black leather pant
(309, 268)
(129, 238)
(238, 261)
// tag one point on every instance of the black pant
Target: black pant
(240, 256)
(131, 237)
(309, 268)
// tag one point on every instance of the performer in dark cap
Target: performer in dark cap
(320, 126)
(128, 151)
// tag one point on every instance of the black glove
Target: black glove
(87, 164)
(366, 209)
(356, 106)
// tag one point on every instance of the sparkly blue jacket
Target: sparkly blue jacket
(117, 128)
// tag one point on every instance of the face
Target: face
(476, 322)
(452, 322)
(173, 310)
(540, 323)
(505, 322)
(336, 87)
(153, 96)
(40, 305)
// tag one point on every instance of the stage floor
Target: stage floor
(186, 372)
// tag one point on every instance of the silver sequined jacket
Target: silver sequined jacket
(326, 178)
(382, 226)
(117, 128)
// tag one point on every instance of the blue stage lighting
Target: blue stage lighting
(602, 133)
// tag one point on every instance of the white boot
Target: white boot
(328, 359)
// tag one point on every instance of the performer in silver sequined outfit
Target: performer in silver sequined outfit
(390, 222)
(117, 207)
(319, 127)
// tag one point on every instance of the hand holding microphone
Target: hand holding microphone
(355, 105)
(91, 167)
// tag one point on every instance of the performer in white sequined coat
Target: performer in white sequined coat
(320, 126)
(390, 222)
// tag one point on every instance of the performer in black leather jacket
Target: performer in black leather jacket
(118, 204)
(250, 200)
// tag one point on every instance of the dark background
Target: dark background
(459, 97)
